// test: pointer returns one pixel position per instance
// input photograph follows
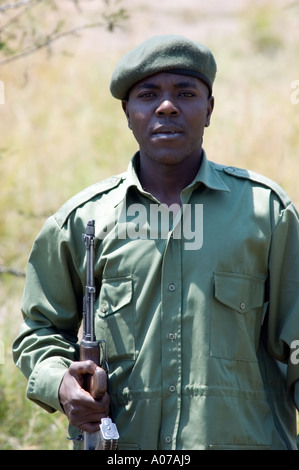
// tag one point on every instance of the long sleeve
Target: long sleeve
(47, 342)
(283, 326)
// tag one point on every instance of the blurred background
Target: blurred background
(60, 129)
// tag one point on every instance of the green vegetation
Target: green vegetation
(61, 131)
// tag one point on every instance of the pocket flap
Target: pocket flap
(115, 294)
(240, 292)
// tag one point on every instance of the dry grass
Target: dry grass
(61, 130)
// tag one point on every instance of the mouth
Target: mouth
(166, 132)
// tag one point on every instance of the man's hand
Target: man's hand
(82, 410)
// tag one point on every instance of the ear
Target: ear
(125, 107)
(211, 102)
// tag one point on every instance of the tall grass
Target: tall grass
(61, 131)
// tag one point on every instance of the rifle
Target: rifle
(90, 349)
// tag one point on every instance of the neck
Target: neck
(166, 181)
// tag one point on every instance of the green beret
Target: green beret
(166, 53)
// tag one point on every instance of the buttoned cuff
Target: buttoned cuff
(44, 382)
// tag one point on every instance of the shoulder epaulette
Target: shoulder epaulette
(85, 195)
(257, 178)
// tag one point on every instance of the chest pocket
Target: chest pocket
(115, 318)
(236, 316)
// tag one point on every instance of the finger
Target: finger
(98, 383)
(89, 418)
(83, 402)
(82, 367)
(91, 427)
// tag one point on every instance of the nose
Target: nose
(167, 107)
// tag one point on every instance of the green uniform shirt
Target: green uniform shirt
(200, 310)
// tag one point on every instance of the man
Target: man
(196, 274)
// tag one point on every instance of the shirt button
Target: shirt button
(167, 439)
(242, 305)
(171, 336)
(172, 388)
(171, 287)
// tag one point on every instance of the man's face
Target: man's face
(167, 114)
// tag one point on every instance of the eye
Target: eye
(146, 95)
(187, 94)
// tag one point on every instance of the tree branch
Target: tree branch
(10, 6)
(16, 27)
(27, 5)
(13, 272)
(48, 41)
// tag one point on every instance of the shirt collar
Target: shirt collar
(207, 175)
